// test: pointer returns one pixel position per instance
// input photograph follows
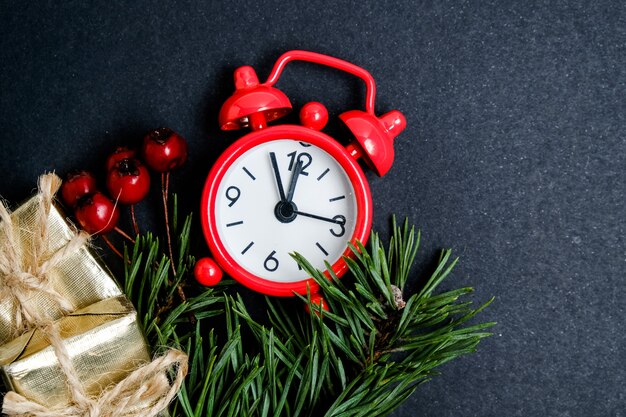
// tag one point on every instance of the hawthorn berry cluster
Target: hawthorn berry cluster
(127, 180)
(128, 183)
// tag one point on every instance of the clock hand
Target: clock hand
(279, 183)
(294, 180)
(314, 216)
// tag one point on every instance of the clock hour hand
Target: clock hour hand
(279, 183)
(326, 219)
(294, 180)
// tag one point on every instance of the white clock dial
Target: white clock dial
(260, 224)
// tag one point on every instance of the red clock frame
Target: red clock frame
(345, 159)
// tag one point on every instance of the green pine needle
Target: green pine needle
(364, 357)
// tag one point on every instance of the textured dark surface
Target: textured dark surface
(514, 155)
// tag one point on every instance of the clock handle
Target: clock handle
(328, 61)
(373, 135)
(253, 105)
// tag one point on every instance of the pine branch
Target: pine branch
(149, 283)
(364, 357)
(384, 343)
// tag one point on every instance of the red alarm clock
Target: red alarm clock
(290, 188)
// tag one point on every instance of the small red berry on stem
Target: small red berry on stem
(96, 213)
(207, 272)
(164, 150)
(121, 152)
(128, 181)
(77, 185)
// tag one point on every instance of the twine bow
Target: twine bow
(23, 275)
(144, 393)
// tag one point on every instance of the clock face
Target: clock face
(284, 196)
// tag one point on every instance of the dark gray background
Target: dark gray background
(514, 154)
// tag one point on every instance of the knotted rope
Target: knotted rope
(144, 393)
(22, 273)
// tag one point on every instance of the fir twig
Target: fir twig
(364, 357)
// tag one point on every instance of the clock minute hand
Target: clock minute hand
(279, 183)
(294, 181)
(315, 216)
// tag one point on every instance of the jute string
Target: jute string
(24, 275)
(144, 393)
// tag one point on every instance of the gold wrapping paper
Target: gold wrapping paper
(105, 344)
(79, 278)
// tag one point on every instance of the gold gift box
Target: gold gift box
(79, 278)
(104, 341)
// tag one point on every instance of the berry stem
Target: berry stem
(165, 188)
(165, 185)
(113, 248)
(132, 216)
(124, 234)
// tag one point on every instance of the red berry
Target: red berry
(96, 213)
(128, 181)
(207, 272)
(121, 152)
(77, 185)
(164, 150)
(319, 300)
